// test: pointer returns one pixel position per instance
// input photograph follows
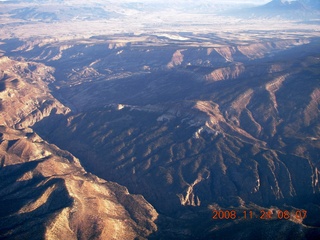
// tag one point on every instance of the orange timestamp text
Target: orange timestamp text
(263, 214)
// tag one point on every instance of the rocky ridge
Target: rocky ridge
(191, 127)
(45, 192)
(25, 96)
(191, 143)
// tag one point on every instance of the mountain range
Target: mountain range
(130, 122)
(45, 192)
(298, 9)
(190, 129)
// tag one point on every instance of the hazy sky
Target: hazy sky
(211, 1)
(242, 1)
(216, 1)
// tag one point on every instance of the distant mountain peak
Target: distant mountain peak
(294, 3)
(287, 9)
(285, 3)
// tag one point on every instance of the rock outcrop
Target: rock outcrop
(25, 95)
(46, 194)
(204, 132)
(185, 137)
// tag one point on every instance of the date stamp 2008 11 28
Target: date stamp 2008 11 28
(263, 214)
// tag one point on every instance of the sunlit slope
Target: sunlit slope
(189, 137)
(45, 192)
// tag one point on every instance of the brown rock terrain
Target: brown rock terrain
(197, 128)
(45, 192)
(25, 96)
(191, 109)
(220, 74)
(199, 136)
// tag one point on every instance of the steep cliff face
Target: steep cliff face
(220, 74)
(25, 96)
(260, 50)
